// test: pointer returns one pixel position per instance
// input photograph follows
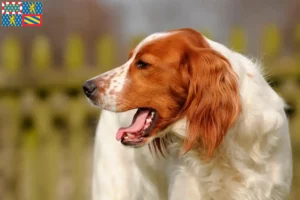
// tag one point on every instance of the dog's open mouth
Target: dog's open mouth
(143, 122)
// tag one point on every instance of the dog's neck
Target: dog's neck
(179, 128)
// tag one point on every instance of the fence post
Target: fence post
(41, 53)
(74, 52)
(11, 54)
(297, 43)
(297, 35)
(105, 53)
(238, 40)
(271, 41)
(28, 189)
(297, 66)
(48, 155)
(9, 129)
(78, 147)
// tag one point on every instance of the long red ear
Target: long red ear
(213, 101)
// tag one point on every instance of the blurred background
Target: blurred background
(46, 125)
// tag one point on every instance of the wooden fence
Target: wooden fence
(47, 126)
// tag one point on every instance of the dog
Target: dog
(187, 118)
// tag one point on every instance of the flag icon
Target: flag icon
(22, 13)
(11, 20)
(32, 7)
(11, 8)
(32, 20)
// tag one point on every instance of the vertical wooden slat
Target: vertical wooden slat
(297, 43)
(11, 54)
(9, 128)
(59, 103)
(29, 148)
(47, 155)
(74, 52)
(238, 40)
(78, 136)
(297, 35)
(48, 151)
(295, 140)
(28, 151)
(41, 53)
(105, 53)
(271, 41)
(295, 125)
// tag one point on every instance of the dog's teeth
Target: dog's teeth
(130, 135)
(148, 120)
(126, 137)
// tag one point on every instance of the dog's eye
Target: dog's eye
(141, 64)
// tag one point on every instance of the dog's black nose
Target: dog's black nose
(89, 88)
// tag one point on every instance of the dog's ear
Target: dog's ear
(213, 101)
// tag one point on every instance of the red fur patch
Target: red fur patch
(213, 101)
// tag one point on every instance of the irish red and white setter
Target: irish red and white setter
(204, 122)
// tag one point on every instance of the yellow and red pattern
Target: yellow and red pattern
(25, 13)
(32, 20)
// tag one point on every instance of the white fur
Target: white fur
(253, 163)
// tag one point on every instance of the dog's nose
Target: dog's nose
(89, 88)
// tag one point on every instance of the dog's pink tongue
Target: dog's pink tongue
(136, 125)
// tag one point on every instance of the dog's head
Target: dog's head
(169, 76)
